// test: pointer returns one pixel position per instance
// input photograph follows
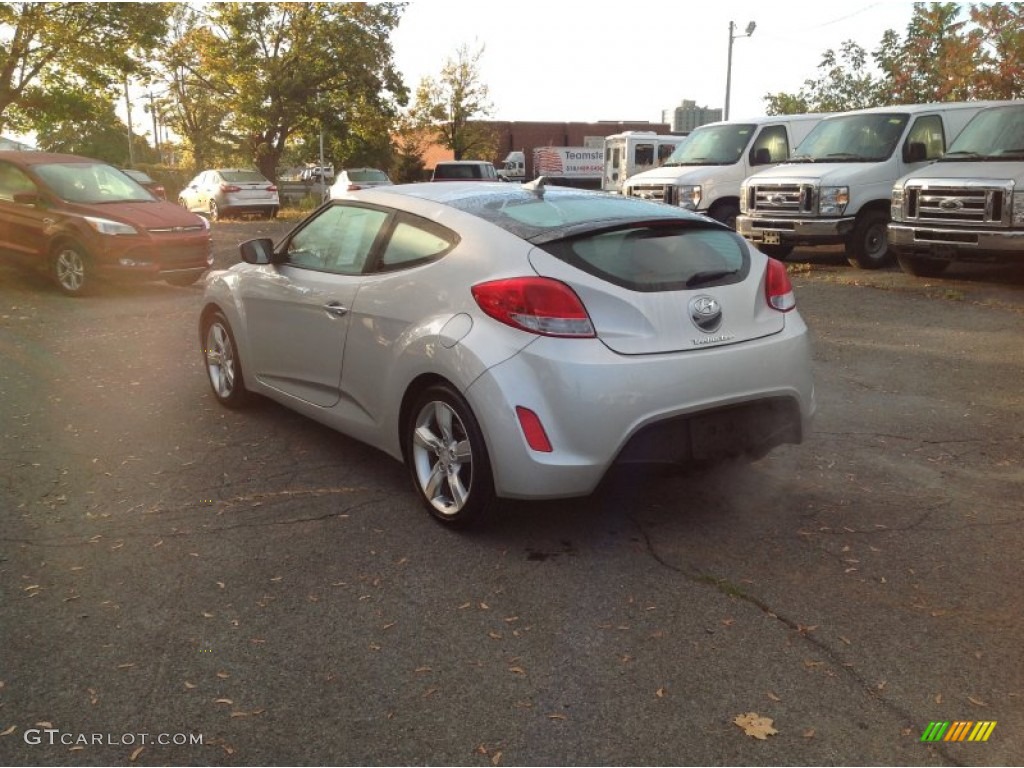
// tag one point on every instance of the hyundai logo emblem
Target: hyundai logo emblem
(706, 313)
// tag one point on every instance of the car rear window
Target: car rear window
(368, 174)
(244, 176)
(663, 257)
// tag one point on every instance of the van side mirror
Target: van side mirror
(916, 152)
(762, 156)
(258, 251)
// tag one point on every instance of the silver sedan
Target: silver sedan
(515, 341)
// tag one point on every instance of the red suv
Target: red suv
(81, 219)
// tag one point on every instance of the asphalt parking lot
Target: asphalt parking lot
(174, 572)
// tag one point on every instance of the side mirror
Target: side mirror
(916, 152)
(26, 198)
(258, 251)
(762, 156)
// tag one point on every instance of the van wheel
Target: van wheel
(868, 246)
(922, 266)
(726, 213)
(72, 269)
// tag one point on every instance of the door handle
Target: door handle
(336, 309)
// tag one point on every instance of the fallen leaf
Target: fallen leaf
(240, 714)
(728, 622)
(464, 606)
(429, 692)
(557, 716)
(809, 733)
(223, 701)
(8, 731)
(494, 635)
(223, 675)
(511, 618)
(660, 693)
(938, 698)
(77, 748)
(754, 725)
(135, 754)
(845, 640)
(484, 607)
(881, 686)
(977, 702)
(126, 665)
(496, 758)
(389, 625)
(772, 696)
(207, 614)
(517, 670)
(423, 669)
(44, 724)
(809, 663)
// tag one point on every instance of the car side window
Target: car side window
(12, 181)
(770, 146)
(338, 240)
(927, 130)
(415, 241)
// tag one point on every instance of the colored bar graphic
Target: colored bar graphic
(958, 730)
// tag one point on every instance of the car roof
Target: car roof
(464, 162)
(492, 201)
(43, 158)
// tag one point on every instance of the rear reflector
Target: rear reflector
(533, 430)
(535, 304)
(777, 287)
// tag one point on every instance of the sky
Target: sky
(584, 62)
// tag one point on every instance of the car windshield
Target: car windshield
(91, 183)
(993, 133)
(368, 174)
(713, 145)
(244, 177)
(852, 139)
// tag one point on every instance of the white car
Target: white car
(224, 192)
(515, 341)
(353, 179)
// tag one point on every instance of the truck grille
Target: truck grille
(958, 202)
(781, 198)
(659, 192)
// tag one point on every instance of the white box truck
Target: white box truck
(567, 166)
(704, 173)
(836, 188)
(631, 152)
(969, 204)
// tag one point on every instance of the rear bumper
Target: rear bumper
(600, 408)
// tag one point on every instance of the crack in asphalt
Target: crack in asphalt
(729, 589)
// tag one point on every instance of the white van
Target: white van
(704, 173)
(968, 205)
(632, 152)
(836, 187)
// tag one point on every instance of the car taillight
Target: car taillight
(537, 305)
(777, 287)
(272, 188)
(229, 188)
(353, 187)
(160, 192)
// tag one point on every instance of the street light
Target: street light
(728, 69)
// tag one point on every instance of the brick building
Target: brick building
(525, 136)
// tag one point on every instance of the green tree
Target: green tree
(48, 50)
(845, 82)
(282, 70)
(87, 125)
(1000, 31)
(449, 108)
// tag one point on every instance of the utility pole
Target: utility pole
(156, 126)
(131, 142)
(728, 68)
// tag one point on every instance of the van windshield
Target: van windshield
(994, 134)
(852, 139)
(713, 145)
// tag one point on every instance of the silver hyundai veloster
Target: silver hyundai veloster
(515, 341)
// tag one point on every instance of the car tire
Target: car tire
(922, 266)
(72, 269)
(215, 214)
(222, 362)
(780, 252)
(868, 246)
(182, 203)
(726, 213)
(272, 214)
(447, 458)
